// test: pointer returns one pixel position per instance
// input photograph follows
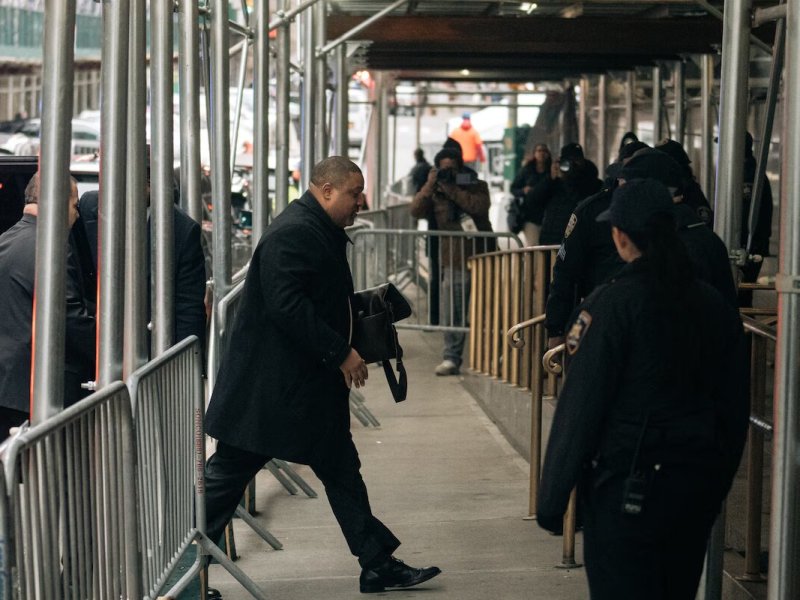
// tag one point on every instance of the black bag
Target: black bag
(374, 335)
(515, 218)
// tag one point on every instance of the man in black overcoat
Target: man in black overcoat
(283, 384)
(17, 276)
(188, 265)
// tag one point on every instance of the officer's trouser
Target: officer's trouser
(659, 554)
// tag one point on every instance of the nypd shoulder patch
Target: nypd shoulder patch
(577, 331)
(573, 220)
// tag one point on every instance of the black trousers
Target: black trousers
(657, 555)
(230, 469)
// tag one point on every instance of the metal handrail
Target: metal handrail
(549, 362)
(521, 250)
(512, 335)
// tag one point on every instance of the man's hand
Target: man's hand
(432, 176)
(555, 171)
(354, 369)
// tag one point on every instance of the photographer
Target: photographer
(456, 200)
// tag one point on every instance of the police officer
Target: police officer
(587, 256)
(653, 415)
(706, 250)
(693, 195)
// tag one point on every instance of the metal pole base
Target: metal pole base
(569, 564)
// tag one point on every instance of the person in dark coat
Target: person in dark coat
(17, 275)
(189, 265)
(282, 388)
(653, 415)
(763, 227)
(693, 195)
(535, 168)
(419, 172)
(573, 178)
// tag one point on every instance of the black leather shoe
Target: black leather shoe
(212, 594)
(394, 573)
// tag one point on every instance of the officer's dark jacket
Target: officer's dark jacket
(586, 259)
(17, 273)
(558, 199)
(279, 390)
(707, 252)
(636, 352)
(763, 229)
(694, 198)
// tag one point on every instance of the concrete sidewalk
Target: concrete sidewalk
(442, 477)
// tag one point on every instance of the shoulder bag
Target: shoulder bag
(375, 312)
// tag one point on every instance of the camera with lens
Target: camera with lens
(446, 176)
(461, 178)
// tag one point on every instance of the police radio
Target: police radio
(636, 485)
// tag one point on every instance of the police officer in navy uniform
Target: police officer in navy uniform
(587, 256)
(653, 415)
(707, 251)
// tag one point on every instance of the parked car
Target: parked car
(25, 142)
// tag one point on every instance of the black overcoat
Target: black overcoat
(17, 276)
(188, 266)
(279, 390)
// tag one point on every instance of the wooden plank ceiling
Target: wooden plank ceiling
(503, 41)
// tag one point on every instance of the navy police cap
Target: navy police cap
(634, 203)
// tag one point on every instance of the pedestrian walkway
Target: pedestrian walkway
(442, 477)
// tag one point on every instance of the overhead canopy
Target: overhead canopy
(501, 40)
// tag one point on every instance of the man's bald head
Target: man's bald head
(334, 170)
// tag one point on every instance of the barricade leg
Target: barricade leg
(211, 548)
(273, 468)
(257, 527)
(294, 476)
(363, 413)
(355, 410)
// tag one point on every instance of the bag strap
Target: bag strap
(399, 388)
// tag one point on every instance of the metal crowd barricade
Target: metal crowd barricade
(403, 257)
(168, 409)
(394, 216)
(71, 506)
